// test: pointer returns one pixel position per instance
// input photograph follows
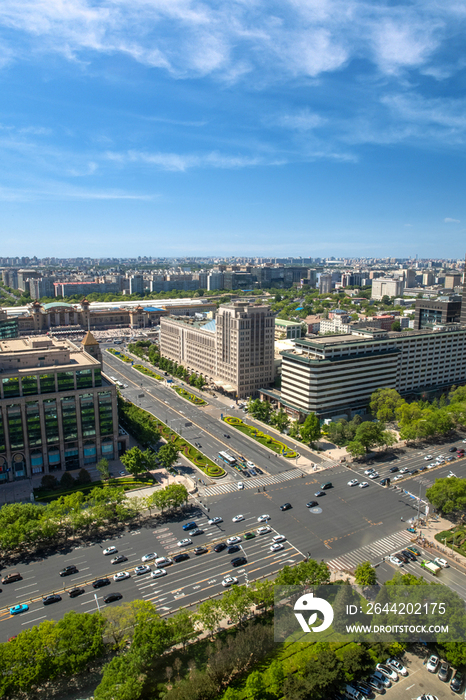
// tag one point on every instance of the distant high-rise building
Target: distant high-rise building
(325, 284)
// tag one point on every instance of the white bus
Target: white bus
(228, 459)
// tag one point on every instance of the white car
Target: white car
(158, 573)
(110, 550)
(369, 471)
(184, 543)
(240, 485)
(149, 557)
(363, 484)
(427, 697)
(263, 530)
(398, 477)
(229, 581)
(215, 521)
(431, 466)
(263, 518)
(233, 540)
(441, 562)
(353, 482)
(374, 475)
(433, 663)
(395, 560)
(276, 547)
(279, 538)
(440, 461)
(428, 457)
(397, 666)
(387, 671)
(121, 576)
(405, 470)
(163, 561)
(143, 569)
(464, 441)
(250, 465)
(238, 518)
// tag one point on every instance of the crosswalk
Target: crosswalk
(371, 552)
(253, 483)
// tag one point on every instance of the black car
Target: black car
(180, 557)
(226, 435)
(456, 683)
(200, 550)
(363, 687)
(111, 597)
(75, 592)
(69, 570)
(259, 471)
(393, 469)
(403, 558)
(118, 559)
(312, 504)
(409, 555)
(413, 471)
(285, 506)
(233, 548)
(101, 582)
(239, 561)
(220, 547)
(452, 449)
(49, 599)
(423, 468)
(385, 482)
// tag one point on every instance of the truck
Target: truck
(430, 566)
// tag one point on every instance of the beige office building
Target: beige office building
(234, 351)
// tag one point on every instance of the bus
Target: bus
(228, 459)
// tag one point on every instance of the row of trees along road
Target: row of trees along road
(150, 352)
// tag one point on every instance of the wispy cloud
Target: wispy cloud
(176, 162)
(60, 191)
(447, 220)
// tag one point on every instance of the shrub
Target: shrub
(49, 482)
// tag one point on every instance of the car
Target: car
(240, 485)
(387, 671)
(312, 504)
(68, 570)
(184, 543)
(409, 555)
(233, 548)
(394, 560)
(279, 538)
(464, 441)
(397, 477)
(180, 557)
(449, 459)
(401, 557)
(233, 540)
(263, 518)
(441, 562)
(263, 530)
(121, 575)
(52, 598)
(385, 482)
(440, 461)
(353, 482)
(319, 494)
(215, 521)
(189, 526)
(285, 506)
(226, 435)
(250, 465)
(118, 559)
(238, 518)
(427, 457)
(122, 472)
(444, 671)
(157, 573)
(363, 484)
(142, 569)
(381, 678)
(369, 471)
(200, 550)
(375, 684)
(112, 597)
(248, 535)
(427, 697)
(220, 547)
(397, 666)
(413, 471)
(12, 577)
(432, 664)
(460, 450)
(196, 531)
(239, 561)
(98, 583)
(422, 469)
(16, 609)
(74, 592)
(374, 475)
(453, 449)
(259, 471)
(456, 683)
(110, 550)
(363, 688)
(432, 466)
(404, 470)
(149, 557)
(392, 470)
(229, 581)
(276, 547)
(163, 561)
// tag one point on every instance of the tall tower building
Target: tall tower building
(463, 302)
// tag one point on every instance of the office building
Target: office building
(428, 279)
(56, 413)
(287, 330)
(8, 326)
(430, 313)
(136, 284)
(452, 281)
(325, 284)
(386, 286)
(234, 351)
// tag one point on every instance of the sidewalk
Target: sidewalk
(433, 548)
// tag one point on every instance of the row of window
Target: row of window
(31, 384)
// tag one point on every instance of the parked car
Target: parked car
(363, 484)
(353, 482)
(397, 666)
(285, 506)
(387, 671)
(278, 538)
(319, 494)
(376, 685)
(444, 671)
(276, 547)
(263, 530)
(456, 683)
(432, 664)
(263, 518)
(381, 678)
(311, 504)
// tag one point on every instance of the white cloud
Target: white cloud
(303, 120)
(176, 162)
(447, 220)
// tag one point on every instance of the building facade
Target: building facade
(234, 352)
(56, 413)
(385, 286)
(433, 313)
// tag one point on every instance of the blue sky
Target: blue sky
(238, 127)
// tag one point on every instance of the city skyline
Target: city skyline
(298, 128)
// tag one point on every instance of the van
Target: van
(11, 578)
(353, 694)
(327, 485)
(114, 379)
(240, 485)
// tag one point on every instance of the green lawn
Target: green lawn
(129, 483)
(266, 440)
(189, 397)
(147, 372)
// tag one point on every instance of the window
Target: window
(65, 381)
(51, 421)
(10, 387)
(87, 415)
(29, 385)
(84, 378)
(105, 413)
(2, 434)
(33, 424)
(47, 383)
(15, 427)
(68, 408)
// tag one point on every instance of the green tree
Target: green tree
(123, 678)
(324, 675)
(236, 603)
(67, 481)
(209, 614)
(384, 403)
(275, 678)
(370, 434)
(138, 462)
(365, 574)
(310, 429)
(448, 495)
(356, 449)
(167, 455)
(83, 477)
(49, 482)
(356, 661)
(280, 420)
(396, 326)
(255, 686)
(182, 627)
(102, 468)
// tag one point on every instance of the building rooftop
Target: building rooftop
(41, 353)
(283, 322)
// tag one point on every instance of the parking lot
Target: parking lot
(419, 681)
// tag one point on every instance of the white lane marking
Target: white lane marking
(35, 620)
(28, 586)
(21, 595)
